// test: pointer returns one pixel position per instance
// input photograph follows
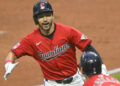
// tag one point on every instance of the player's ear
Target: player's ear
(53, 17)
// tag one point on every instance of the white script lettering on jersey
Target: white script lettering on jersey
(55, 53)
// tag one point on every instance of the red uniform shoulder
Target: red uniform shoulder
(33, 34)
(102, 80)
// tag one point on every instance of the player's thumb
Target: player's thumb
(16, 64)
(13, 66)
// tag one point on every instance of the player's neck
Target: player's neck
(49, 31)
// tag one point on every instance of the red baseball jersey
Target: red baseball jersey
(102, 80)
(56, 56)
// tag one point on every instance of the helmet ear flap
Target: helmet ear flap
(35, 20)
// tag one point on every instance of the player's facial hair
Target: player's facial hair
(50, 22)
(47, 31)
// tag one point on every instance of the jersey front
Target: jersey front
(56, 56)
(102, 80)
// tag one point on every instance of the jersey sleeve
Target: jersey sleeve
(24, 47)
(79, 39)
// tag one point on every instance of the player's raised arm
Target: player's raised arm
(10, 64)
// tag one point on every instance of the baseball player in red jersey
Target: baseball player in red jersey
(91, 68)
(53, 46)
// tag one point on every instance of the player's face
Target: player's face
(45, 21)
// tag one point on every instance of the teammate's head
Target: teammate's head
(41, 7)
(90, 63)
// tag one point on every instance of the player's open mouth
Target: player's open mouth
(46, 23)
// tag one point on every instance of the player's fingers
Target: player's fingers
(15, 64)
(6, 76)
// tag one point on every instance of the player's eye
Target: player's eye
(47, 14)
(40, 16)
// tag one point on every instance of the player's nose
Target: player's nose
(44, 18)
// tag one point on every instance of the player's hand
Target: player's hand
(104, 70)
(9, 68)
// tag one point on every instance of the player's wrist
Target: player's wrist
(8, 61)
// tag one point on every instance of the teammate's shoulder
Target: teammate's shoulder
(90, 81)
